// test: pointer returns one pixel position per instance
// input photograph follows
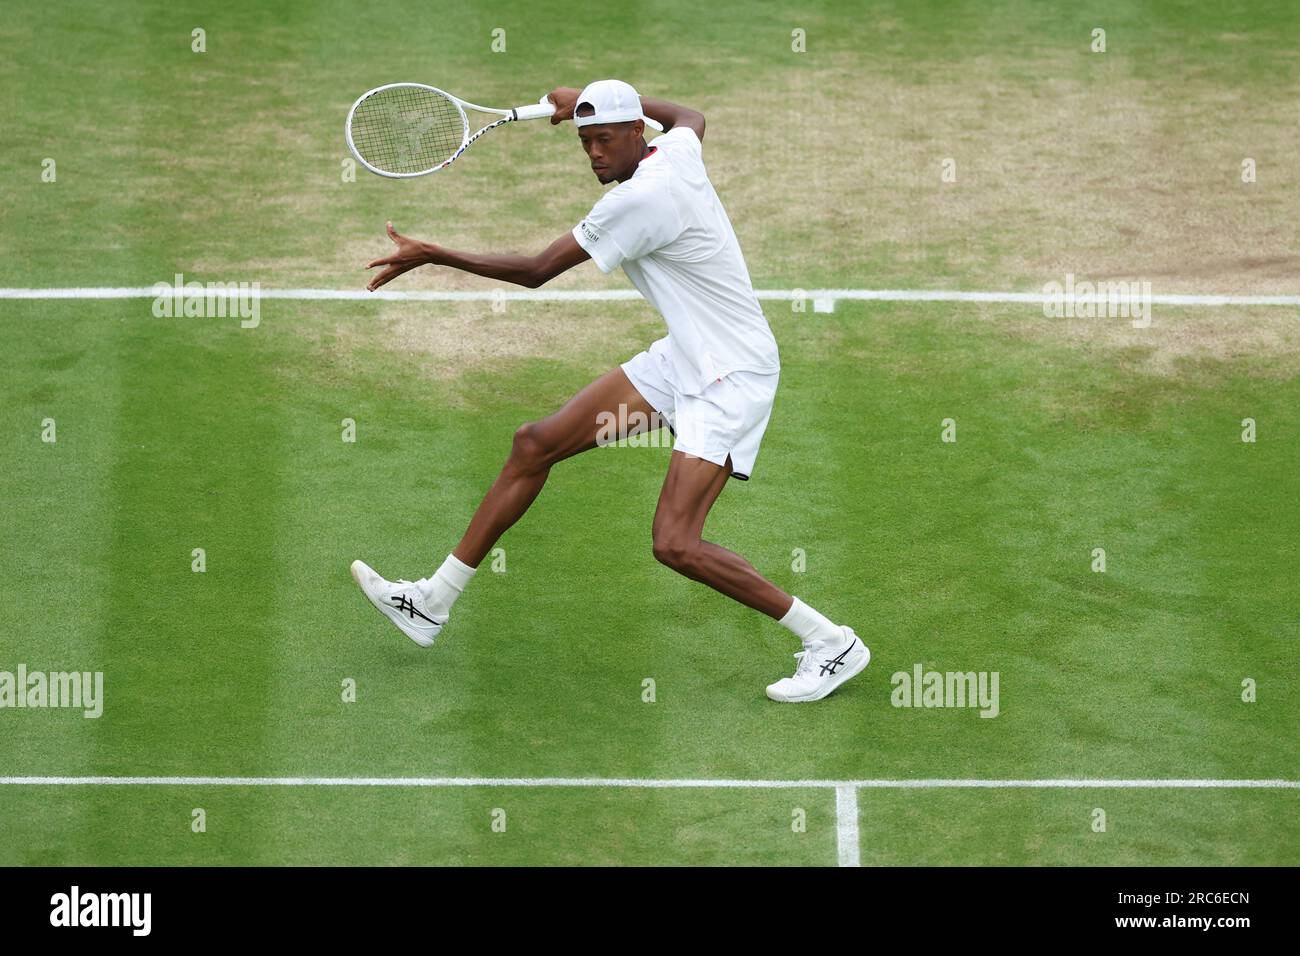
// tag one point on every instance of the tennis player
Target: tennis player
(712, 379)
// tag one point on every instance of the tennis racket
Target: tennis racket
(403, 130)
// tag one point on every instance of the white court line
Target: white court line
(846, 825)
(653, 783)
(846, 791)
(612, 295)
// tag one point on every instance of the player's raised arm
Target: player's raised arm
(530, 271)
(670, 115)
(666, 114)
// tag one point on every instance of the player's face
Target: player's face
(614, 149)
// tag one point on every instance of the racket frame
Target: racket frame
(543, 108)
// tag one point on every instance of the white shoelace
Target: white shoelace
(419, 592)
(806, 662)
(436, 610)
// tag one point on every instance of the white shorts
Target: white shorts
(726, 420)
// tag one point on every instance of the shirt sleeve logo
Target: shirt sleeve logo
(591, 234)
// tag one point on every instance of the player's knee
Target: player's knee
(674, 550)
(530, 448)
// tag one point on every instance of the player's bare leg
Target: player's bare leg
(537, 446)
(689, 491)
(421, 608)
(832, 654)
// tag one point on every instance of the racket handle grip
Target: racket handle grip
(540, 111)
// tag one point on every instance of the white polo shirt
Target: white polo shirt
(666, 227)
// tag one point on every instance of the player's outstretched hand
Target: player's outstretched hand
(565, 99)
(410, 254)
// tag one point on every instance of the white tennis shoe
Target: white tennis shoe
(821, 669)
(401, 602)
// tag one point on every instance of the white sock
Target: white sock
(441, 590)
(809, 626)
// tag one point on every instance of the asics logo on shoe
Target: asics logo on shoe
(405, 605)
(832, 664)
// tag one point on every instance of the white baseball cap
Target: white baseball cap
(614, 102)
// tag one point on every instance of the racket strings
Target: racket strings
(407, 129)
